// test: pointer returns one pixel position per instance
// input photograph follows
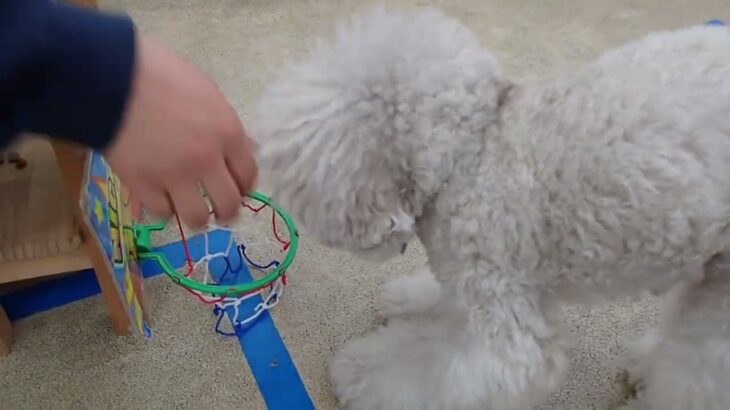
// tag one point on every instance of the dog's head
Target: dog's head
(356, 138)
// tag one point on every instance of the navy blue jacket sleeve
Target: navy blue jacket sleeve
(64, 71)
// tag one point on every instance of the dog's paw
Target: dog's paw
(431, 363)
(391, 369)
(407, 295)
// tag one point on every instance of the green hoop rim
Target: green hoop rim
(143, 239)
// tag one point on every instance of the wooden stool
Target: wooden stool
(40, 230)
(39, 233)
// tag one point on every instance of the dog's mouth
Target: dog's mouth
(381, 252)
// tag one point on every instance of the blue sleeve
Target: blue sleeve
(64, 71)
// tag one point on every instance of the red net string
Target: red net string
(273, 224)
(190, 263)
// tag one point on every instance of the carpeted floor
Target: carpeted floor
(69, 358)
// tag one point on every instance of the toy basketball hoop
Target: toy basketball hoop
(225, 266)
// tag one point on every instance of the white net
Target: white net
(245, 252)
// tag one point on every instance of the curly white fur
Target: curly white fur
(604, 183)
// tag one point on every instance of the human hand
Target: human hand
(179, 133)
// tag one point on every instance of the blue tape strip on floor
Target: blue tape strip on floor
(50, 294)
(53, 293)
(271, 364)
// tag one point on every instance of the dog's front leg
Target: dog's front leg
(490, 343)
(410, 295)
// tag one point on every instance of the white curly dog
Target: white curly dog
(601, 184)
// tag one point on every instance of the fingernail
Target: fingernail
(227, 221)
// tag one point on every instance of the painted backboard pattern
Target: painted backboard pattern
(110, 213)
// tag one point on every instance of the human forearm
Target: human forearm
(65, 71)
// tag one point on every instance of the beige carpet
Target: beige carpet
(69, 358)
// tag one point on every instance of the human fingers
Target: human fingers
(223, 193)
(189, 204)
(153, 200)
(242, 163)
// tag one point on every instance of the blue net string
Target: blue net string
(242, 252)
(220, 312)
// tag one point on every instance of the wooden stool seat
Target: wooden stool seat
(39, 234)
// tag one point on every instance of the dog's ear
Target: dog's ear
(327, 154)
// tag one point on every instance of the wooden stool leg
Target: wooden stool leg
(72, 161)
(6, 333)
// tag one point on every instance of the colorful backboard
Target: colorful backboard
(110, 214)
